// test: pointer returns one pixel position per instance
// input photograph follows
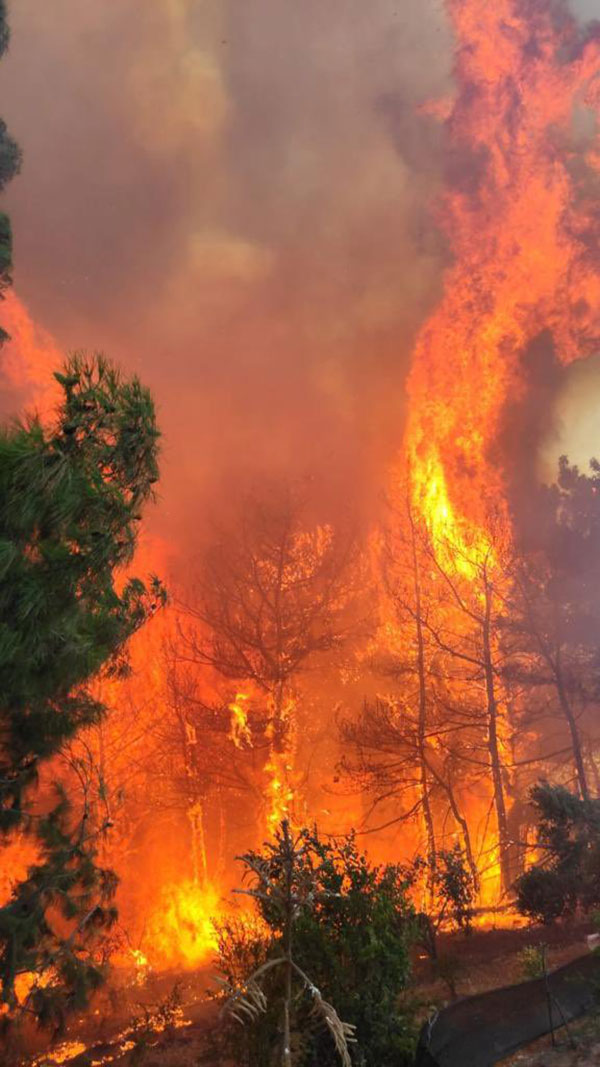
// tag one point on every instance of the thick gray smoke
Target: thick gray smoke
(586, 10)
(233, 199)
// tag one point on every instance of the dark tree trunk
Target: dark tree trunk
(496, 765)
(422, 722)
(567, 710)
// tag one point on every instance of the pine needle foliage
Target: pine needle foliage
(10, 165)
(4, 28)
(567, 877)
(70, 500)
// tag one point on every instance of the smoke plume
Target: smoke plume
(233, 200)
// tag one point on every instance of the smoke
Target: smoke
(576, 428)
(233, 200)
(585, 10)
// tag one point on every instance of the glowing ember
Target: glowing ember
(62, 1053)
(281, 791)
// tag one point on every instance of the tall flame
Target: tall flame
(519, 213)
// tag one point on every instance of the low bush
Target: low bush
(352, 930)
(568, 877)
(544, 895)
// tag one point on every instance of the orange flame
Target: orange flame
(520, 220)
(180, 932)
(282, 784)
(520, 215)
(31, 355)
(240, 732)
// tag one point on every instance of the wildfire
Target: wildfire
(280, 795)
(18, 855)
(520, 221)
(520, 216)
(63, 1053)
(461, 545)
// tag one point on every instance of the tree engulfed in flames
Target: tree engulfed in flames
(520, 215)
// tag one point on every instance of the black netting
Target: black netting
(479, 1031)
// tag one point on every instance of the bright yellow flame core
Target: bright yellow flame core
(240, 732)
(459, 545)
(181, 931)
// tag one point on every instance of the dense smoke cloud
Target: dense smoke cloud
(233, 199)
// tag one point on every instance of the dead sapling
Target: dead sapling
(285, 886)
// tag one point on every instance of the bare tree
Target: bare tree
(472, 594)
(272, 593)
(405, 746)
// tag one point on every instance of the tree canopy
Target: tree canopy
(70, 499)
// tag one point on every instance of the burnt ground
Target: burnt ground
(489, 958)
(127, 1020)
(168, 1021)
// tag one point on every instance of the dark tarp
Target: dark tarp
(479, 1031)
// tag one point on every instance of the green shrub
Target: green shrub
(352, 934)
(543, 895)
(568, 879)
(455, 886)
(532, 959)
(356, 943)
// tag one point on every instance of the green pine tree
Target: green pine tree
(70, 500)
(10, 164)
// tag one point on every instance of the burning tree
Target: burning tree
(208, 762)
(70, 498)
(272, 594)
(444, 729)
(406, 746)
(471, 586)
(520, 217)
(489, 660)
